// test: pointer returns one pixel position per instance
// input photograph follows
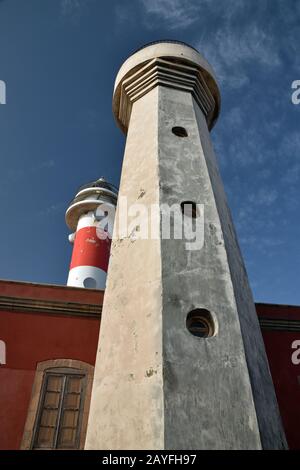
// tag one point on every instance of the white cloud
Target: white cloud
(263, 197)
(252, 44)
(175, 13)
(179, 14)
(125, 13)
(292, 174)
(20, 172)
(234, 117)
(265, 245)
(264, 174)
(73, 9)
(69, 7)
(290, 146)
(231, 49)
(52, 209)
(246, 145)
(231, 43)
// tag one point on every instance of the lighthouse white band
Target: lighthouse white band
(87, 220)
(90, 220)
(88, 277)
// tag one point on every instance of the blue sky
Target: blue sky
(59, 59)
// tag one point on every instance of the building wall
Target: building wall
(38, 336)
(281, 332)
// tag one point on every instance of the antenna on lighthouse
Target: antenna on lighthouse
(90, 256)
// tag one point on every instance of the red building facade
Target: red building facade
(41, 324)
(281, 332)
(48, 343)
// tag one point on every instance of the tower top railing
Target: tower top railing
(172, 41)
(100, 183)
(88, 197)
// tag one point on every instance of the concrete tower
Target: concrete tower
(181, 361)
(90, 253)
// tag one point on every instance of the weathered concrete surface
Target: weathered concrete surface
(127, 400)
(210, 400)
(267, 411)
(156, 385)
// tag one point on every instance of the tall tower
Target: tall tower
(181, 362)
(90, 252)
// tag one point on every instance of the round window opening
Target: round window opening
(90, 283)
(199, 322)
(179, 131)
(189, 209)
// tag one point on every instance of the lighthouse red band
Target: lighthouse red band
(87, 249)
(91, 249)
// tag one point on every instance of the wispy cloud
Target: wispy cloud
(263, 197)
(253, 45)
(234, 117)
(290, 146)
(292, 175)
(19, 172)
(174, 13)
(230, 50)
(124, 13)
(239, 141)
(87, 119)
(231, 43)
(180, 14)
(72, 10)
(52, 209)
(265, 245)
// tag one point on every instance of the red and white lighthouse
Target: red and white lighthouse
(90, 257)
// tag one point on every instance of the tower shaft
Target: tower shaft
(181, 361)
